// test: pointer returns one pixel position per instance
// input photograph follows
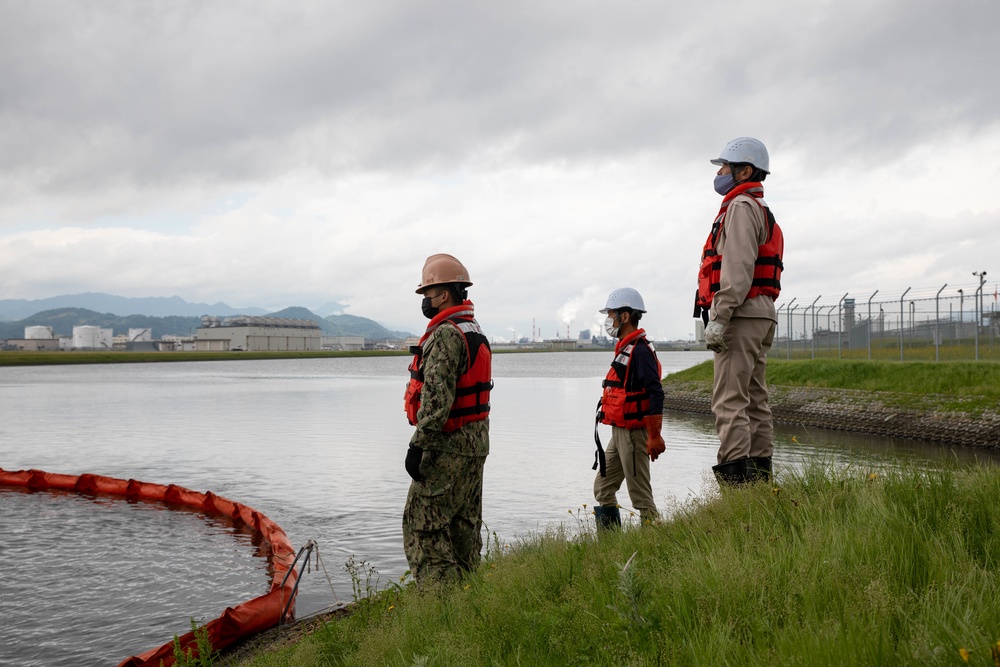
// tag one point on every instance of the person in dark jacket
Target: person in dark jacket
(632, 404)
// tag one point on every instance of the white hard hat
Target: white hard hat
(745, 150)
(624, 297)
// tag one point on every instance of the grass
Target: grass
(958, 379)
(887, 349)
(832, 567)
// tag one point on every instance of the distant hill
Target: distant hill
(352, 325)
(343, 325)
(62, 321)
(157, 306)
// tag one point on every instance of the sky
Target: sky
(297, 153)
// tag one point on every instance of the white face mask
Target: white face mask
(609, 326)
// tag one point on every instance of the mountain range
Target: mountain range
(163, 315)
(156, 306)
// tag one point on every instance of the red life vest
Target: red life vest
(767, 268)
(472, 390)
(622, 404)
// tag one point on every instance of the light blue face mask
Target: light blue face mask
(724, 183)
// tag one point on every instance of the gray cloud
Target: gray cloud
(477, 126)
(156, 94)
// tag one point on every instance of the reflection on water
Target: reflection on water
(82, 574)
(318, 446)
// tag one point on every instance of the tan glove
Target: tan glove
(654, 441)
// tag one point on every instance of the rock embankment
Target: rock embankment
(878, 413)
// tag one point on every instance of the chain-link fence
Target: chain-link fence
(929, 324)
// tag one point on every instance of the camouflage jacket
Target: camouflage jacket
(444, 360)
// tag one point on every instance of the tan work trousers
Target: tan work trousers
(627, 461)
(739, 392)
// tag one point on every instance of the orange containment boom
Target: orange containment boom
(236, 623)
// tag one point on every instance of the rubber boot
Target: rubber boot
(759, 469)
(608, 518)
(732, 473)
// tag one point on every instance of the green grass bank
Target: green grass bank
(955, 403)
(979, 380)
(857, 566)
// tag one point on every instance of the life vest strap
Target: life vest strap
(482, 409)
(476, 388)
(600, 461)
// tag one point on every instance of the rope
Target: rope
(327, 574)
(308, 549)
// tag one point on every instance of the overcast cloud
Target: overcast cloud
(294, 153)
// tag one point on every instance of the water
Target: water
(85, 574)
(318, 446)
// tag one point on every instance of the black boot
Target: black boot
(608, 518)
(732, 473)
(759, 469)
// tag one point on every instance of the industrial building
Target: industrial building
(343, 343)
(256, 334)
(88, 337)
(37, 339)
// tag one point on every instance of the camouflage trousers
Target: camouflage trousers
(443, 518)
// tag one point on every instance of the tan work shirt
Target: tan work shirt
(744, 229)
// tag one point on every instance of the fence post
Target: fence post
(840, 327)
(901, 324)
(976, 328)
(937, 324)
(777, 324)
(961, 315)
(812, 336)
(870, 324)
(790, 330)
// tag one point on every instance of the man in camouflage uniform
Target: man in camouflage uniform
(447, 400)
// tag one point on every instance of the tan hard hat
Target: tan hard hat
(441, 269)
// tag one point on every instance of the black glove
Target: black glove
(413, 456)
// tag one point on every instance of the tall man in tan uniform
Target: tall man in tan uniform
(448, 401)
(739, 279)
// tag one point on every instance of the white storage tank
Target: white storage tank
(38, 333)
(136, 335)
(88, 337)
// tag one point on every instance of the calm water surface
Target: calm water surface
(318, 446)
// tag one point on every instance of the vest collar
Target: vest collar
(466, 310)
(752, 188)
(638, 333)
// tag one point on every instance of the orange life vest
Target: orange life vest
(472, 390)
(623, 405)
(767, 268)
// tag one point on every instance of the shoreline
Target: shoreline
(883, 413)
